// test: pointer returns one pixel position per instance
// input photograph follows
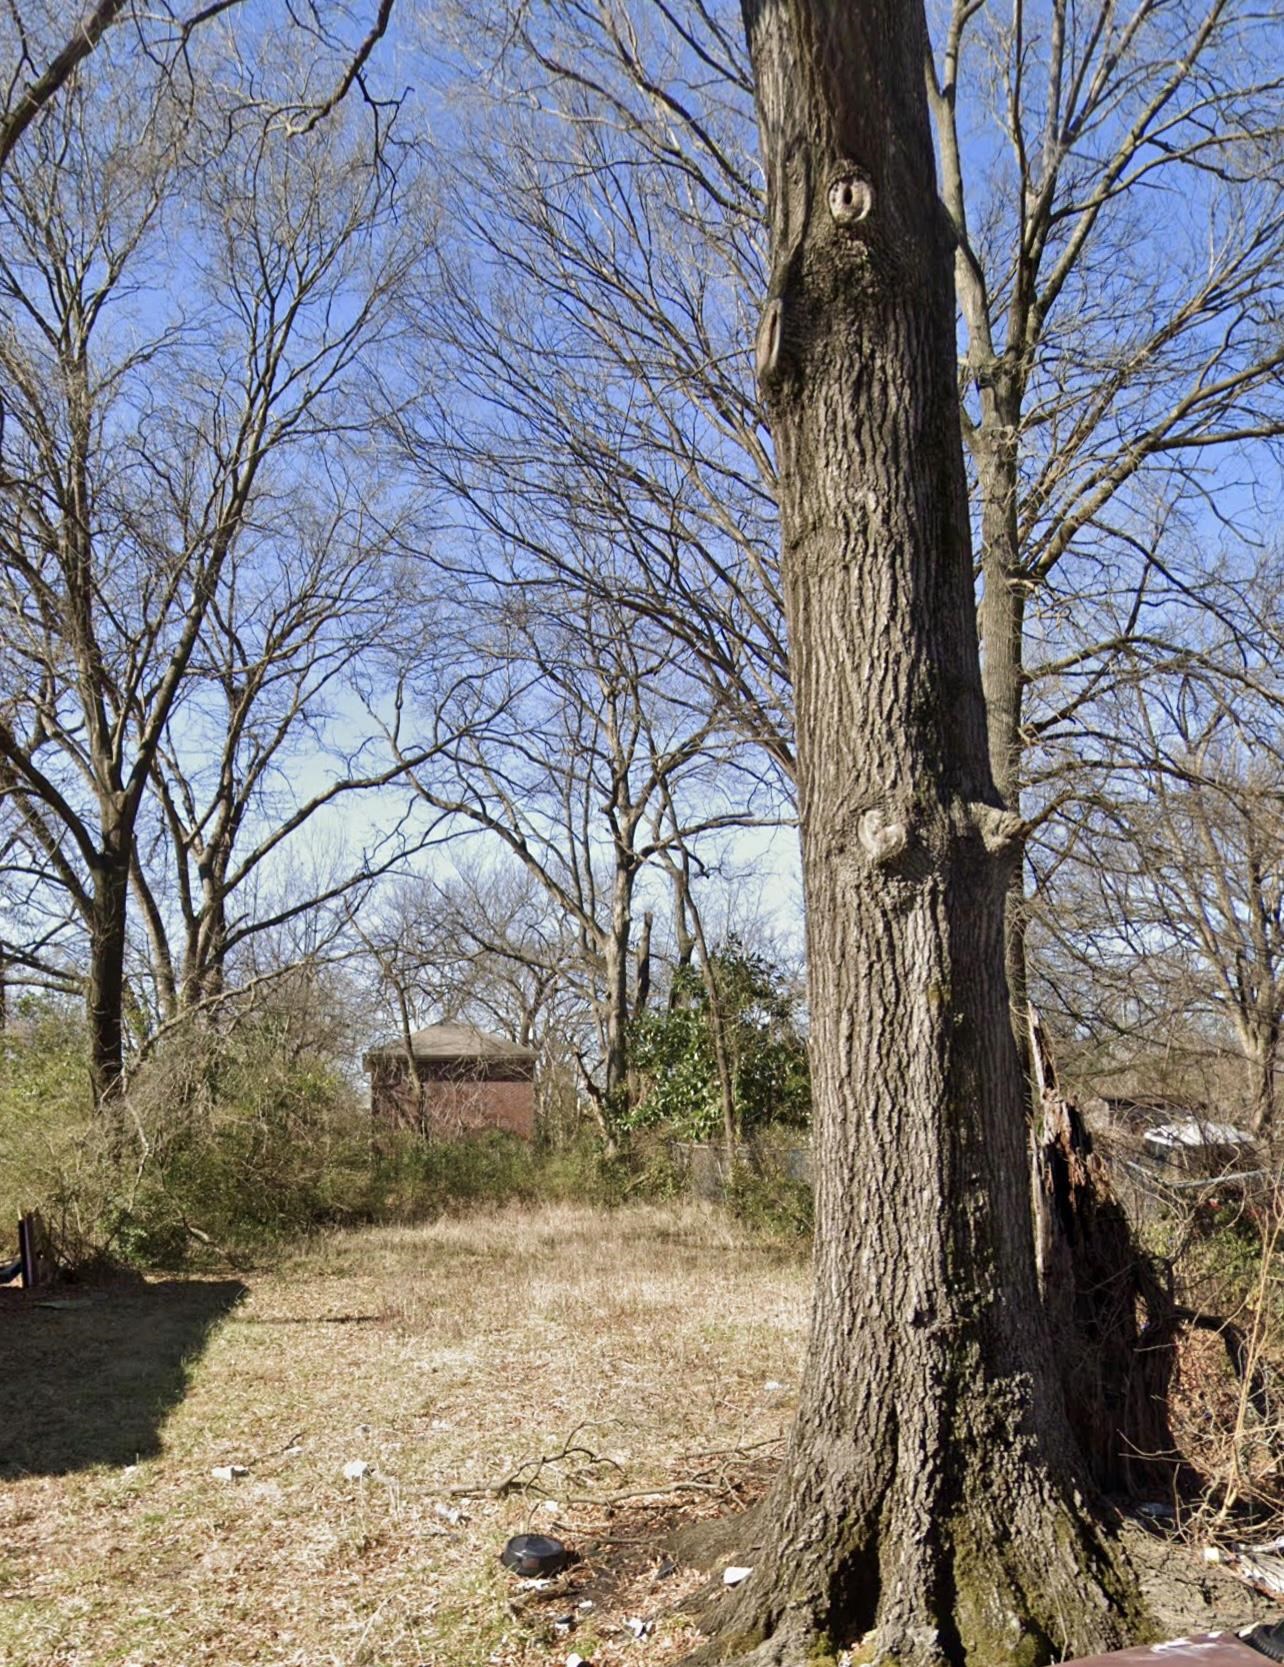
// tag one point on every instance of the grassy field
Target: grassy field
(582, 1373)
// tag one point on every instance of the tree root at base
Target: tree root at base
(1010, 1607)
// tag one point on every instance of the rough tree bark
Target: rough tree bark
(929, 1499)
(1266, 1065)
(616, 969)
(105, 995)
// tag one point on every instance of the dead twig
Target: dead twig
(716, 1489)
(526, 1478)
(742, 1450)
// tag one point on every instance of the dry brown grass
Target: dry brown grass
(445, 1357)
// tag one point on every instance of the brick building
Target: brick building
(456, 1080)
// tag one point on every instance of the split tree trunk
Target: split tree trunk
(929, 1496)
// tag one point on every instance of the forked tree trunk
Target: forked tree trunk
(929, 1495)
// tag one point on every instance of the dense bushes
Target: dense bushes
(244, 1140)
(766, 1193)
(233, 1141)
(46, 1125)
(225, 1143)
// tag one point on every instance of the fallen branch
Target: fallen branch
(522, 1482)
(739, 1451)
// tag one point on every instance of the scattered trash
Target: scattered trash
(1258, 1566)
(291, 1452)
(1157, 1511)
(586, 1604)
(534, 1555)
(551, 1507)
(451, 1514)
(229, 1472)
(1263, 1571)
(638, 1627)
(574, 1660)
(355, 1469)
(772, 1387)
(564, 1624)
(733, 1576)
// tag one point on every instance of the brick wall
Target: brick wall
(463, 1107)
(449, 1106)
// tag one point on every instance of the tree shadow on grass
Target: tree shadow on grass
(89, 1377)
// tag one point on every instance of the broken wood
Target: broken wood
(1112, 1308)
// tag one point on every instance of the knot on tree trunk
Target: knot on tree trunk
(850, 195)
(883, 835)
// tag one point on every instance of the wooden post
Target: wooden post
(33, 1248)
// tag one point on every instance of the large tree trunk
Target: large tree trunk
(1265, 1064)
(616, 1016)
(106, 991)
(929, 1496)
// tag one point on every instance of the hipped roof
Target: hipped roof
(454, 1042)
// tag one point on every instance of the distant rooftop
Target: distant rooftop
(454, 1042)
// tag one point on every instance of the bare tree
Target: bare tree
(1165, 957)
(148, 442)
(1118, 228)
(44, 56)
(584, 394)
(254, 755)
(1102, 384)
(594, 735)
(483, 944)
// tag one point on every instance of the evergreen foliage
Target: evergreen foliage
(675, 1053)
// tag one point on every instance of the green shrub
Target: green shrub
(224, 1144)
(645, 1167)
(675, 1052)
(766, 1192)
(233, 1141)
(50, 1146)
(579, 1171)
(771, 1202)
(239, 1143)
